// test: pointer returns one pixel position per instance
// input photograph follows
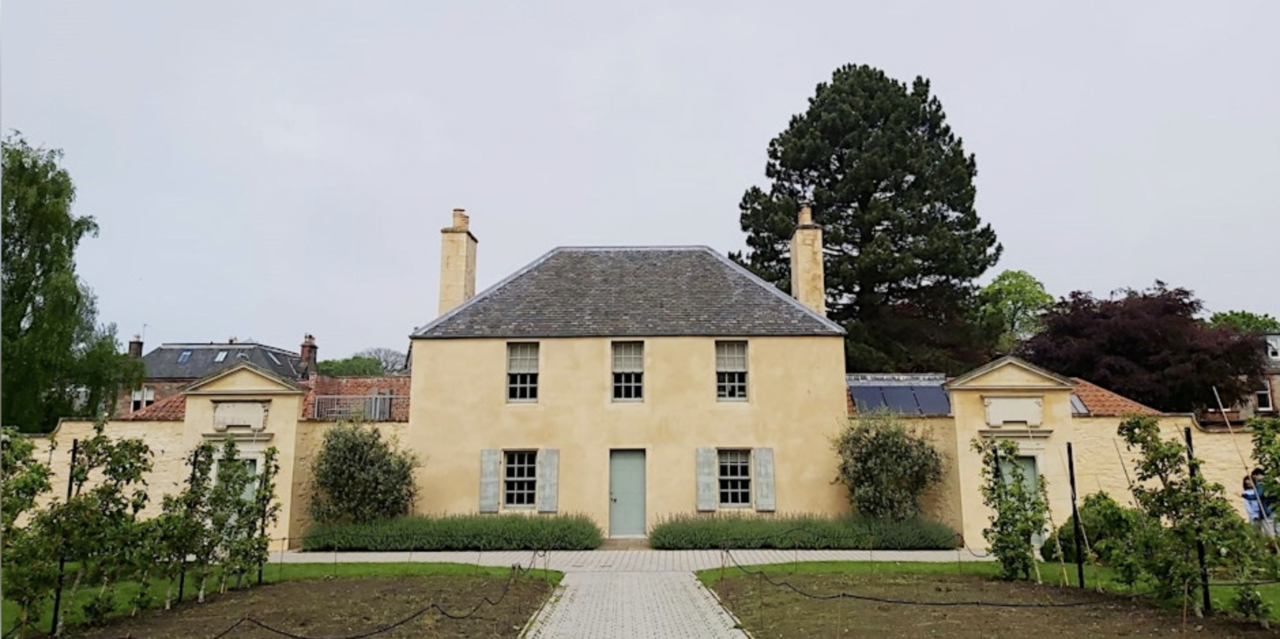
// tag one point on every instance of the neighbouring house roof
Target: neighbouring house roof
(1101, 402)
(170, 409)
(907, 394)
(201, 360)
(348, 389)
(637, 292)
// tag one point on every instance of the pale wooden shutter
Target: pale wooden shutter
(489, 480)
(765, 500)
(706, 479)
(548, 479)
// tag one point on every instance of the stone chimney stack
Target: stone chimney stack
(807, 280)
(135, 347)
(308, 355)
(457, 262)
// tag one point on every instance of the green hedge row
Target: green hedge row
(459, 532)
(804, 532)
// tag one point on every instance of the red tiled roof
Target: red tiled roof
(170, 409)
(1104, 403)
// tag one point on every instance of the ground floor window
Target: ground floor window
(519, 478)
(735, 477)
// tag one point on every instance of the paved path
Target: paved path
(631, 594)
(654, 605)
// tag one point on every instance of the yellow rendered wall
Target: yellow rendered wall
(942, 502)
(1227, 457)
(167, 440)
(797, 403)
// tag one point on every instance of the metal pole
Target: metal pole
(1075, 516)
(1204, 569)
(62, 550)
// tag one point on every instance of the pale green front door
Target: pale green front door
(626, 493)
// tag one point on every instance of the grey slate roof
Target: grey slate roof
(163, 362)
(630, 292)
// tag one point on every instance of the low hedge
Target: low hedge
(459, 532)
(803, 532)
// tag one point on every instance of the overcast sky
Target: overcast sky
(270, 169)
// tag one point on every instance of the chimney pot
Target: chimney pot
(806, 215)
(460, 219)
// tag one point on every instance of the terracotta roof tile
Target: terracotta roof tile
(1104, 403)
(170, 409)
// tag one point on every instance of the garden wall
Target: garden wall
(1099, 467)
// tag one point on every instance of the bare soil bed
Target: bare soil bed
(344, 607)
(769, 611)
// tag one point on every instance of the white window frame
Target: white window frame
(522, 372)
(728, 484)
(1258, 400)
(627, 371)
(142, 398)
(732, 379)
(520, 478)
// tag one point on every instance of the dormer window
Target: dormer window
(1273, 347)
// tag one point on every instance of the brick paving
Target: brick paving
(631, 594)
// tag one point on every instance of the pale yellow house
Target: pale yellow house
(628, 384)
(635, 383)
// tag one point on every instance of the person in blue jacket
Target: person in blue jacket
(1259, 507)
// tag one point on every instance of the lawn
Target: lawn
(776, 610)
(331, 600)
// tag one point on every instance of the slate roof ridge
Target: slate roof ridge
(227, 345)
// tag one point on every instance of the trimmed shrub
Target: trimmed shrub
(1107, 528)
(359, 477)
(886, 465)
(802, 532)
(459, 532)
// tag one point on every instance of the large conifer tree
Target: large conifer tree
(893, 189)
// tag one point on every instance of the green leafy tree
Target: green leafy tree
(359, 477)
(1192, 510)
(28, 568)
(887, 465)
(96, 528)
(354, 366)
(1016, 301)
(1018, 511)
(60, 362)
(1246, 322)
(892, 187)
(183, 521)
